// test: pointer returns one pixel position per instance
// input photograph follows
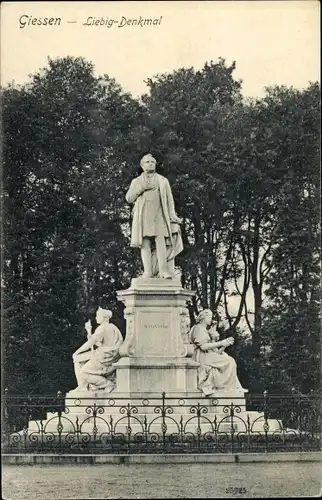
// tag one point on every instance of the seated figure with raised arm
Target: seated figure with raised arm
(217, 370)
(93, 361)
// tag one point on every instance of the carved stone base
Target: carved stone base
(156, 374)
(156, 354)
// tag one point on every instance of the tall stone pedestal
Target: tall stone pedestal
(156, 352)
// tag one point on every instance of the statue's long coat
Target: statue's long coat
(168, 208)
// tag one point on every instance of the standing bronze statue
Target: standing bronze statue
(155, 226)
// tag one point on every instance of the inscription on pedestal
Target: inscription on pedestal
(151, 326)
(155, 335)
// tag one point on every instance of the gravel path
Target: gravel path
(161, 481)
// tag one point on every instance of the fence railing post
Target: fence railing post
(129, 428)
(163, 425)
(299, 419)
(25, 415)
(266, 425)
(198, 425)
(232, 428)
(60, 426)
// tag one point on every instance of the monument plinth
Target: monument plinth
(156, 354)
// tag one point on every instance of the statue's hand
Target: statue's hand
(176, 220)
(147, 186)
(144, 188)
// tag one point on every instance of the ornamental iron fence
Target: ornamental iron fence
(54, 424)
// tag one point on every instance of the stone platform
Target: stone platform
(180, 412)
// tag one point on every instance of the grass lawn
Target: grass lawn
(161, 481)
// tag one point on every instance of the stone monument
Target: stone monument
(158, 355)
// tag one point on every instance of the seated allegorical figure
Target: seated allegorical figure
(94, 359)
(217, 370)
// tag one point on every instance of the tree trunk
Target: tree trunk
(256, 284)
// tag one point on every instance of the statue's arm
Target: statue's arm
(95, 339)
(119, 338)
(135, 190)
(85, 347)
(209, 346)
(220, 345)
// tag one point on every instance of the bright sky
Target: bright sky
(272, 42)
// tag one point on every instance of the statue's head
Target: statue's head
(206, 316)
(103, 315)
(148, 163)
